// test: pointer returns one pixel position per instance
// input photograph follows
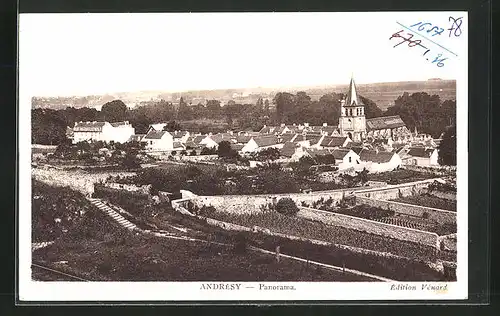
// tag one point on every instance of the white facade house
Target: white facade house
(159, 141)
(420, 156)
(259, 143)
(119, 132)
(209, 142)
(346, 158)
(379, 161)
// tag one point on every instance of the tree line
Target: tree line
(425, 112)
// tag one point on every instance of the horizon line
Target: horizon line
(236, 88)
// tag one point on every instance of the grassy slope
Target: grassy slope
(97, 249)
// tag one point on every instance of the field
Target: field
(429, 201)
(138, 258)
(400, 176)
(95, 248)
(300, 227)
(388, 217)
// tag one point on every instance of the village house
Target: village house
(346, 158)
(194, 142)
(137, 137)
(333, 142)
(180, 136)
(159, 141)
(156, 127)
(119, 132)
(379, 161)
(421, 156)
(212, 141)
(259, 143)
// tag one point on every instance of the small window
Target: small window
(350, 159)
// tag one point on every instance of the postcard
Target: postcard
(243, 157)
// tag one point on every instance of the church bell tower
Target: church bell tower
(352, 121)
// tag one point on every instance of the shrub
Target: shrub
(425, 215)
(286, 206)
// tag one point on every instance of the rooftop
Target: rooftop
(384, 122)
(374, 156)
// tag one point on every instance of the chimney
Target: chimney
(306, 124)
(325, 124)
(282, 124)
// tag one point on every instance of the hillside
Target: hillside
(383, 94)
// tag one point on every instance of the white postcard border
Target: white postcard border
(190, 291)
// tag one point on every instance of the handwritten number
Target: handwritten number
(455, 26)
(415, 24)
(422, 27)
(415, 43)
(426, 52)
(439, 60)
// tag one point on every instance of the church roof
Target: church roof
(384, 122)
(352, 98)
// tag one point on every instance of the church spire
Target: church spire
(352, 95)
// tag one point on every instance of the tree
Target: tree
(172, 126)
(284, 103)
(447, 149)
(130, 161)
(114, 111)
(286, 206)
(371, 108)
(208, 151)
(268, 154)
(184, 112)
(424, 112)
(362, 176)
(48, 127)
(213, 109)
(303, 167)
(327, 159)
(224, 150)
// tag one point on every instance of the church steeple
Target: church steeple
(352, 121)
(352, 98)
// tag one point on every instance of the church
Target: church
(353, 123)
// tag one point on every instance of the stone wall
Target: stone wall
(78, 180)
(444, 195)
(145, 189)
(253, 203)
(395, 191)
(438, 215)
(361, 224)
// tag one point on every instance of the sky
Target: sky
(85, 54)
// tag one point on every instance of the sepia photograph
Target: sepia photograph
(243, 156)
